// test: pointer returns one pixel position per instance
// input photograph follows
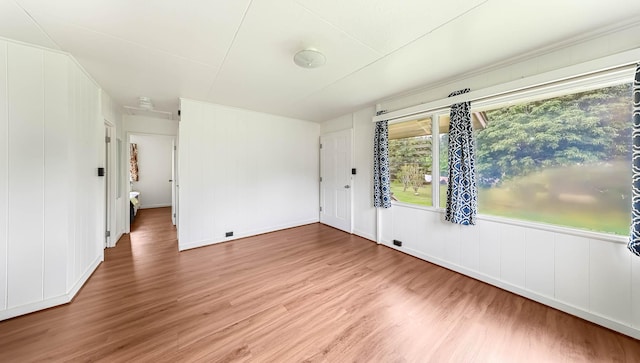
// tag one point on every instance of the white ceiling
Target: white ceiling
(240, 52)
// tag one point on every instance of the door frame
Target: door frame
(125, 173)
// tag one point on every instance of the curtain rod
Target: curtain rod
(616, 61)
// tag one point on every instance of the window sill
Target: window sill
(534, 225)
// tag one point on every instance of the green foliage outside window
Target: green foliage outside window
(563, 161)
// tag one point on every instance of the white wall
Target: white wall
(586, 274)
(52, 204)
(154, 169)
(245, 172)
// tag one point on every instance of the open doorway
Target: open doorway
(151, 173)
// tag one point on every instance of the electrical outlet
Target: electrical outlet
(397, 243)
(228, 234)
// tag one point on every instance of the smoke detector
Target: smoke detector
(145, 103)
(309, 58)
(145, 108)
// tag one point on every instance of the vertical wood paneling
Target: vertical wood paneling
(433, 231)
(489, 257)
(572, 270)
(190, 113)
(540, 262)
(74, 183)
(81, 170)
(26, 175)
(470, 247)
(97, 209)
(610, 280)
(88, 142)
(4, 174)
(450, 237)
(512, 255)
(56, 174)
(635, 291)
(386, 223)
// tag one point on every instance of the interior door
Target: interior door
(107, 187)
(335, 179)
(173, 181)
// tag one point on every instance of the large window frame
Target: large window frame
(564, 86)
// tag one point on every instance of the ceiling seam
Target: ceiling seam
(153, 49)
(226, 54)
(35, 22)
(396, 50)
(339, 29)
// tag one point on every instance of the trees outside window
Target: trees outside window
(564, 160)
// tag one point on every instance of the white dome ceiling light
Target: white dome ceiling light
(309, 58)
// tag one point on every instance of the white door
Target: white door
(173, 181)
(335, 180)
(107, 186)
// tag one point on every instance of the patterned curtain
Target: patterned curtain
(462, 191)
(634, 235)
(133, 162)
(381, 177)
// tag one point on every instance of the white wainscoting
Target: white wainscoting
(588, 276)
(51, 199)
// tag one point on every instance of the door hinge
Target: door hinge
(175, 147)
(320, 209)
(107, 139)
(321, 146)
(321, 179)
(107, 234)
(174, 215)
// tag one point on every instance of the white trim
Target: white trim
(543, 79)
(546, 300)
(602, 236)
(150, 206)
(55, 301)
(255, 232)
(365, 235)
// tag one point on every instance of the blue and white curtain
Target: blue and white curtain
(381, 177)
(462, 191)
(634, 235)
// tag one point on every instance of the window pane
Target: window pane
(563, 160)
(410, 161)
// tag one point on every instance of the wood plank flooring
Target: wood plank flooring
(307, 294)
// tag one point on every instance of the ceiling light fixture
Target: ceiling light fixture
(309, 58)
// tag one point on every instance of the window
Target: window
(562, 160)
(559, 155)
(411, 161)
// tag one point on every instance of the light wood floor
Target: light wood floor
(305, 294)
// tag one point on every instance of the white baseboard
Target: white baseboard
(149, 206)
(54, 301)
(366, 235)
(249, 233)
(532, 295)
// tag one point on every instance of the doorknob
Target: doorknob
(347, 186)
